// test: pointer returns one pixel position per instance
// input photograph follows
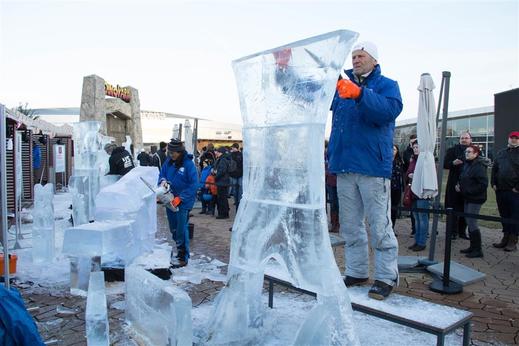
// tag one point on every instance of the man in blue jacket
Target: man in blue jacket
(360, 153)
(179, 172)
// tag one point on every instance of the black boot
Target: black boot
(476, 245)
(471, 246)
(503, 241)
(512, 243)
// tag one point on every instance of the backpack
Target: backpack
(236, 165)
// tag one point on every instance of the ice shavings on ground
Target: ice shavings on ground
(199, 269)
(281, 323)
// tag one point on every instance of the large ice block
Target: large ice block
(96, 314)
(157, 309)
(114, 241)
(43, 237)
(285, 94)
(130, 199)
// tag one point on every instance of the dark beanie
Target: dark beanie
(163, 145)
(222, 150)
(175, 145)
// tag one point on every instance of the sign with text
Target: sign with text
(118, 92)
(59, 158)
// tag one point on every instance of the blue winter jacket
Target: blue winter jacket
(183, 181)
(361, 140)
(36, 157)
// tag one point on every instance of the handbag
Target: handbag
(408, 197)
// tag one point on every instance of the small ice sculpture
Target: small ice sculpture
(188, 136)
(87, 144)
(78, 185)
(176, 132)
(128, 145)
(157, 309)
(43, 224)
(285, 94)
(96, 314)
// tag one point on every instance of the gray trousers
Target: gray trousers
(363, 197)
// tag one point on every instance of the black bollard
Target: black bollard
(445, 285)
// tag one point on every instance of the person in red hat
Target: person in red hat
(505, 181)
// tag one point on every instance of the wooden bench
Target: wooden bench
(397, 308)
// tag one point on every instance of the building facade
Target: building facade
(478, 121)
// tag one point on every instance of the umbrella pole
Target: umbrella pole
(3, 197)
(446, 75)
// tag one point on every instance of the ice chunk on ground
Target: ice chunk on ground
(156, 309)
(96, 314)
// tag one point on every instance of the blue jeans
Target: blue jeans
(421, 221)
(178, 226)
(237, 190)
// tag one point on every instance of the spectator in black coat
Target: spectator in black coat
(144, 158)
(397, 184)
(408, 153)
(473, 184)
(121, 162)
(159, 157)
(222, 181)
(453, 161)
(505, 181)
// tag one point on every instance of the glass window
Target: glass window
(478, 125)
(459, 126)
(491, 125)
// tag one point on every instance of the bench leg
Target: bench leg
(441, 340)
(271, 294)
(466, 334)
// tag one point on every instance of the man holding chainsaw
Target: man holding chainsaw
(179, 176)
(364, 109)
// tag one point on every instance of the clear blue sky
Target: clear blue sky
(178, 53)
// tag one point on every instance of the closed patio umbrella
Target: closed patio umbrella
(425, 183)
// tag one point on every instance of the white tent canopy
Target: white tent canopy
(425, 182)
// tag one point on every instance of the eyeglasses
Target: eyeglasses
(469, 152)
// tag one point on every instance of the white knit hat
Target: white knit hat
(368, 47)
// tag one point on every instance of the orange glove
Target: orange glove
(348, 90)
(176, 202)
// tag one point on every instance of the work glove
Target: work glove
(348, 90)
(176, 202)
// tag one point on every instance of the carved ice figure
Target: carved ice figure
(188, 137)
(43, 224)
(285, 94)
(87, 144)
(128, 145)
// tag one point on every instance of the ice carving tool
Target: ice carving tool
(164, 197)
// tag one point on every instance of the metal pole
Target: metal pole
(3, 193)
(446, 75)
(445, 285)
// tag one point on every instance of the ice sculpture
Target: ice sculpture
(176, 132)
(87, 144)
(157, 309)
(96, 314)
(188, 136)
(43, 224)
(285, 94)
(78, 186)
(128, 145)
(130, 199)
(80, 269)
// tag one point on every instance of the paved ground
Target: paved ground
(494, 302)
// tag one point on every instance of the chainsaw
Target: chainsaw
(164, 197)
